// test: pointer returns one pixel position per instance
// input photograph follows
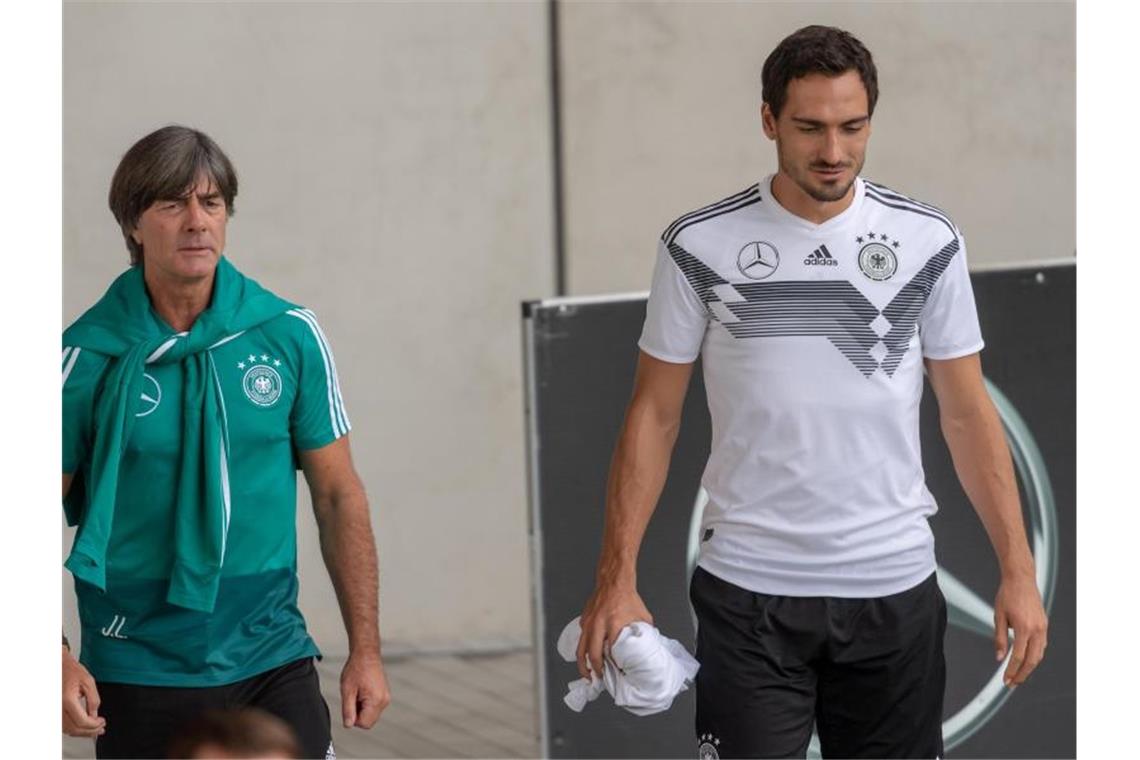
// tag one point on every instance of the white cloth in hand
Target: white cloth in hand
(644, 673)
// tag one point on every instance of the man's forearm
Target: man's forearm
(638, 470)
(982, 461)
(349, 553)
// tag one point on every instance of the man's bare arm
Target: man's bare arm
(349, 551)
(638, 470)
(973, 433)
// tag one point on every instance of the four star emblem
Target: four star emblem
(884, 237)
(252, 358)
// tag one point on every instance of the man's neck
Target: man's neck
(794, 200)
(178, 302)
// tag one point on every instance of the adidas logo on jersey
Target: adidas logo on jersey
(821, 257)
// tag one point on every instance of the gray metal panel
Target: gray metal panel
(534, 531)
(582, 353)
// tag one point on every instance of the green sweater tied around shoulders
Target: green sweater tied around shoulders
(118, 326)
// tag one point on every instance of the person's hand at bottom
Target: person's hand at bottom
(363, 690)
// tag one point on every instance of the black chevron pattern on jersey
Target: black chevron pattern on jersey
(700, 277)
(905, 308)
(833, 309)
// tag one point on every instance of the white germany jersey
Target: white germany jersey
(812, 338)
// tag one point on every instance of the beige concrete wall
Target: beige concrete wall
(395, 177)
(394, 162)
(661, 116)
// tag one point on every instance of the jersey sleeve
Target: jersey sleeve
(675, 317)
(82, 371)
(948, 327)
(318, 416)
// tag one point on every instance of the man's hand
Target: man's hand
(80, 700)
(611, 608)
(363, 690)
(1018, 606)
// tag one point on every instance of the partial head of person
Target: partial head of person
(819, 88)
(245, 733)
(172, 194)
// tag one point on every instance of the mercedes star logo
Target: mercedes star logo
(758, 260)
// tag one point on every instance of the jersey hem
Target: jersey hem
(665, 357)
(846, 588)
(954, 353)
(135, 678)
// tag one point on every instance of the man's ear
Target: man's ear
(768, 121)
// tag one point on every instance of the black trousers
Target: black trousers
(869, 673)
(142, 720)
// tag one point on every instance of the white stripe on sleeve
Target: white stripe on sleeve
(333, 421)
(336, 378)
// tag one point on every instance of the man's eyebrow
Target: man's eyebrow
(816, 123)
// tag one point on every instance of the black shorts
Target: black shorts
(142, 720)
(869, 673)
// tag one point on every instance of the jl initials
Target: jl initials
(114, 630)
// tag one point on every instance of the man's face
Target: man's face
(821, 135)
(183, 238)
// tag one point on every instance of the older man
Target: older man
(190, 396)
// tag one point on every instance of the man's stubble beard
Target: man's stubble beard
(828, 195)
(822, 195)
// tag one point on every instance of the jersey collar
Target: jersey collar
(787, 217)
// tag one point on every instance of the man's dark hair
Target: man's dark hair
(816, 50)
(249, 732)
(162, 166)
